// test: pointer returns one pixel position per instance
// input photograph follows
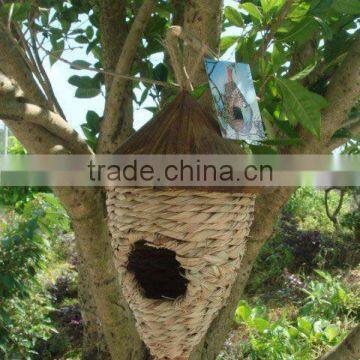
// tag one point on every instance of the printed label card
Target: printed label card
(235, 100)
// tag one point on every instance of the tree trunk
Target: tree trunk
(86, 208)
(94, 344)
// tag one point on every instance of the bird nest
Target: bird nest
(177, 253)
(178, 250)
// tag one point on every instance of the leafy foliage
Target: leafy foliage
(271, 34)
(24, 247)
(318, 325)
(17, 196)
(301, 105)
(305, 239)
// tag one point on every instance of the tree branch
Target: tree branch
(273, 29)
(13, 65)
(36, 139)
(348, 349)
(47, 84)
(203, 21)
(16, 110)
(113, 32)
(342, 93)
(111, 131)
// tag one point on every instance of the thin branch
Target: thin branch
(48, 87)
(333, 216)
(10, 17)
(110, 73)
(16, 110)
(14, 65)
(115, 101)
(272, 31)
(27, 57)
(113, 32)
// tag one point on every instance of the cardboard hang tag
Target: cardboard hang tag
(235, 100)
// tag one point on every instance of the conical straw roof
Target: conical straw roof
(183, 127)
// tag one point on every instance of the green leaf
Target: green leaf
(301, 32)
(89, 32)
(331, 332)
(252, 9)
(292, 331)
(56, 51)
(268, 122)
(160, 72)
(324, 275)
(143, 96)
(85, 93)
(199, 90)
(278, 56)
(301, 105)
(262, 150)
(243, 311)
(152, 109)
(82, 39)
(90, 137)
(325, 27)
(80, 64)
(83, 82)
(93, 121)
(227, 41)
(305, 325)
(245, 49)
(304, 73)
(261, 325)
(347, 6)
(269, 5)
(235, 18)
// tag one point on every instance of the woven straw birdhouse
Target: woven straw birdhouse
(178, 250)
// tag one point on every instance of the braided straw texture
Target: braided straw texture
(207, 230)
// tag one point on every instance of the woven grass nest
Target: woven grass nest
(178, 250)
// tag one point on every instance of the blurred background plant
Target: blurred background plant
(30, 241)
(17, 196)
(303, 296)
(323, 317)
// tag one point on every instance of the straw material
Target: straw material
(207, 231)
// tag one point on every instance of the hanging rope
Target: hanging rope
(177, 60)
(174, 33)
